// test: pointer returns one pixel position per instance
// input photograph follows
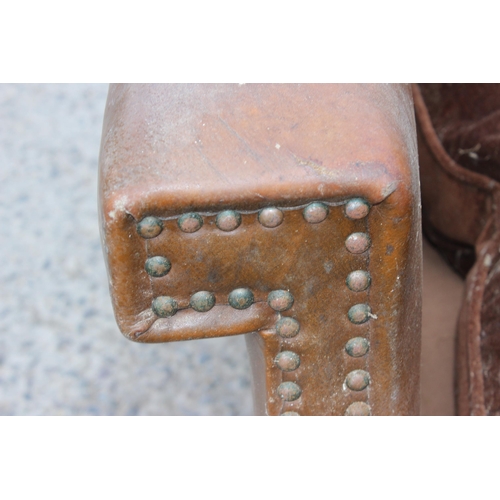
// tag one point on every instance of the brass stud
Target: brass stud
(287, 327)
(241, 298)
(360, 313)
(358, 243)
(164, 307)
(357, 347)
(316, 212)
(228, 220)
(280, 300)
(270, 217)
(357, 281)
(202, 301)
(149, 227)
(287, 361)
(157, 266)
(289, 391)
(357, 208)
(357, 380)
(358, 409)
(289, 414)
(190, 223)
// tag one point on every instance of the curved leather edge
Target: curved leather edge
(455, 201)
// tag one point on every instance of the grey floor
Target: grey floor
(60, 350)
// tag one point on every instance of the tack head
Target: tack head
(357, 347)
(289, 391)
(202, 301)
(280, 300)
(287, 361)
(149, 227)
(241, 298)
(357, 208)
(228, 220)
(157, 266)
(357, 380)
(164, 307)
(270, 217)
(359, 313)
(358, 409)
(190, 223)
(287, 327)
(357, 281)
(316, 212)
(358, 243)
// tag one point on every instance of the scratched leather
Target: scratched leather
(171, 149)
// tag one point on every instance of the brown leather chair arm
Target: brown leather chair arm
(289, 213)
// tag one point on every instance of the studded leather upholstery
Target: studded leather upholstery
(289, 213)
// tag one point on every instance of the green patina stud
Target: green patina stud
(280, 300)
(157, 266)
(287, 361)
(241, 298)
(357, 281)
(287, 327)
(357, 208)
(360, 313)
(190, 223)
(358, 409)
(357, 347)
(358, 243)
(289, 391)
(149, 227)
(228, 220)
(202, 301)
(270, 217)
(357, 380)
(316, 212)
(164, 307)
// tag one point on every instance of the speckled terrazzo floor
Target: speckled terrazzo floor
(60, 350)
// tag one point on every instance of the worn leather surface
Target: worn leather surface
(172, 149)
(459, 150)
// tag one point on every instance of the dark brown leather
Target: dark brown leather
(459, 150)
(168, 150)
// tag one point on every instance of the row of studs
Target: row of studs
(241, 298)
(270, 217)
(282, 300)
(356, 380)
(357, 347)
(288, 361)
(159, 266)
(360, 313)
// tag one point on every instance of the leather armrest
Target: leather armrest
(267, 198)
